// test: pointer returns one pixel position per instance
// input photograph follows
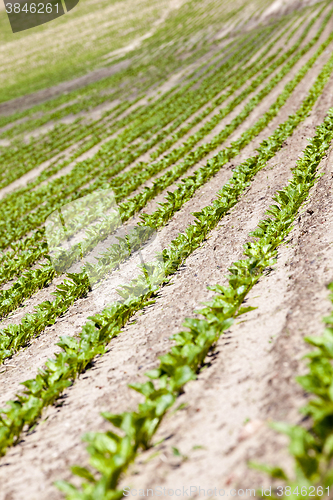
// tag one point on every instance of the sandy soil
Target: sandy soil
(212, 399)
(260, 356)
(167, 86)
(249, 379)
(225, 173)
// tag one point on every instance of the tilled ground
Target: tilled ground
(249, 377)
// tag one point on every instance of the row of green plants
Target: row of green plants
(23, 157)
(160, 184)
(112, 151)
(139, 66)
(22, 266)
(311, 446)
(112, 451)
(76, 354)
(234, 58)
(30, 253)
(12, 297)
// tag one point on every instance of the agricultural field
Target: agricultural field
(166, 251)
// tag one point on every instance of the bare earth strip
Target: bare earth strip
(249, 378)
(183, 217)
(243, 362)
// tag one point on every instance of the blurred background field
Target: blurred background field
(97, 34)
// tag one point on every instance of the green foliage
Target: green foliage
(112, 452)
(205, 220)
(175, 106)
(159, 124)
(312, 448)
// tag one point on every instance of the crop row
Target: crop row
(28, 283)
(60, 372)
(112, 451)
(26, 259)
(167, 179)
(311, 448)
(140, 126)
(155, 69)
(20, 264)
(57, 136)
